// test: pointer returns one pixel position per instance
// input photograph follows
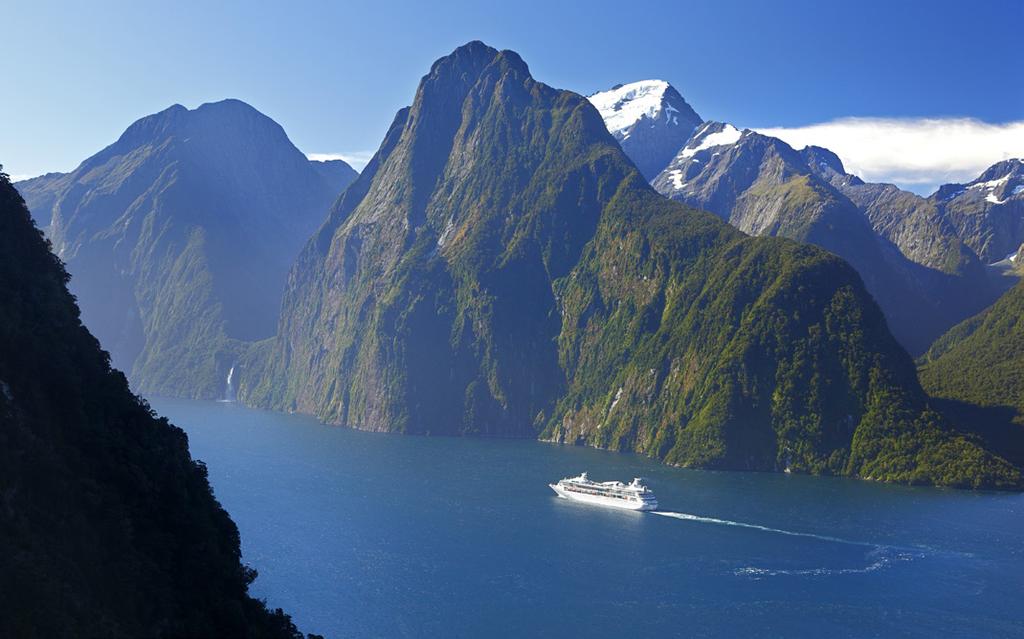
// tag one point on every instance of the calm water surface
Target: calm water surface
(369, 535)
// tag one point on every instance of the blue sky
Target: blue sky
(333, 74)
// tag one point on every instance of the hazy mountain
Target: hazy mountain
(109, 528)
(41, 193)
(762, 186)
(501, 268)
(179, 237)
(650, 120)
(335, 172)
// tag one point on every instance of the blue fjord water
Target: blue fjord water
(370, 535)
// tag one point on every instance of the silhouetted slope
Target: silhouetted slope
(107, 527)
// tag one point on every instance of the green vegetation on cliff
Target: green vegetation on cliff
(501, 268)
(108, 527)
(981, 361)
(692, 343)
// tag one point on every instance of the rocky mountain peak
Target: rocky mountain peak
(995, 186)
(823, 158)
(464, 65)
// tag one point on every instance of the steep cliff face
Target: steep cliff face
(180, 235)
(108, 527)
(912, 223)
(762, 186)
(501, 268)
(425, 304)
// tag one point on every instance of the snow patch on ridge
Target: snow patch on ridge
(728, 135)
(991, 184)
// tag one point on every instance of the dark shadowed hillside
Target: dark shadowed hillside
(108, 528)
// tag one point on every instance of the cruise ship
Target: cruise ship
(632, 496)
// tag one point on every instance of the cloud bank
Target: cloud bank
(916, 154)
(357, 159)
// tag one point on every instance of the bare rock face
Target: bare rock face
(925, 279)
(988, 213)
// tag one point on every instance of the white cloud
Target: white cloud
(18, 177)
(357, 159)
(918, 154)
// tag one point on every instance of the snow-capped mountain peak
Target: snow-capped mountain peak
(626, 104)
(649, 118)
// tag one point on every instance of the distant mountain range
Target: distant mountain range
(108, 526)
(179, 237)
(502, 268)
(924, 259)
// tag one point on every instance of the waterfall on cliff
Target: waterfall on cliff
(229, 392)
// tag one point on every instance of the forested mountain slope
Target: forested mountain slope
(502, 268)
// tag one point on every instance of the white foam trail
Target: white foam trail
(885, 555)
(885, 558)
(777, 531)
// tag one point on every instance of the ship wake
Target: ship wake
(777, 531)
(879, 556)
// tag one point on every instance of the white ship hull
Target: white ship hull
(601, 500)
